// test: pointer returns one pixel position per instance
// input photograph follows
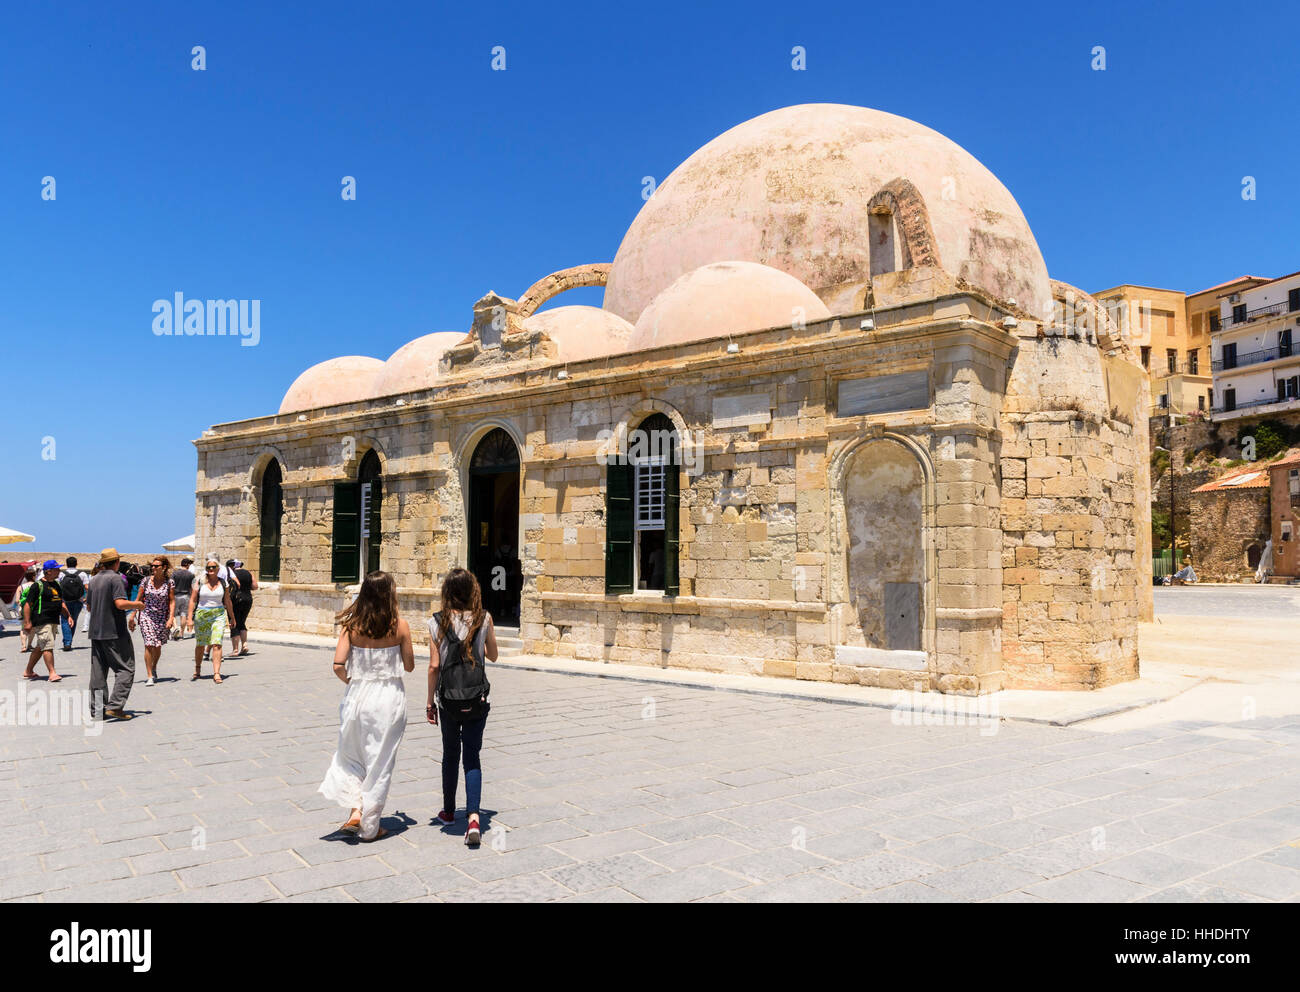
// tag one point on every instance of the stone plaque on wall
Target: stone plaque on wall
(884, 393)
(742, 411)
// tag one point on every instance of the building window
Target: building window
(1293, 482)
(1164, 401)
(642, 504)
(1200, 402)
(1229, 399)
(1171, 360)
(1194, 361)
(1214, 322)
(271, 511)
(886, 247)
(1286, 530)
(357, 535)
(1293, 300)
(1146, 357)
(1284, 343)
(1230, 355)
(1239, 313)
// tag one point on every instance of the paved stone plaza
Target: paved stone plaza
(610, 789)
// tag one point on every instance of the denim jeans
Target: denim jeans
(70, 629)
(455, 735)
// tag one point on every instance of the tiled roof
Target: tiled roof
(1242, 478)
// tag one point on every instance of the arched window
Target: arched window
(642, 510)
(886, 246)
(357, 522)
(271, 509)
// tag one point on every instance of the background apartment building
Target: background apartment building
(1175, 351)
(1256, 364)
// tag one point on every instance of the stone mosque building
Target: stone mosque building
(833, 421)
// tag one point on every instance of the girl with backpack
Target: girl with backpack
(461, 642)
(373, 649)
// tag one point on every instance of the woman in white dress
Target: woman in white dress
(374, 647)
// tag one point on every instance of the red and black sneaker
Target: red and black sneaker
(445, 818)
(473, 835)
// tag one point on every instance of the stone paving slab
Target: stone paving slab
(720, 796)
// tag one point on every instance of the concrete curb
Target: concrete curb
(982, 707)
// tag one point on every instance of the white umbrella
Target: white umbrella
(8, 536)
(180, 544)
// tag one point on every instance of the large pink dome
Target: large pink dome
(790, 189)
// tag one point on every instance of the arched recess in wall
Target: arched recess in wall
(882, 563)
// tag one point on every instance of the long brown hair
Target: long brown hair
(460, 591)
(373, 614)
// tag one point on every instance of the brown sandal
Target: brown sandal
(379, 836)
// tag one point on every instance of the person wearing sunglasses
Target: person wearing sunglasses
(157, 597)
(210, 612)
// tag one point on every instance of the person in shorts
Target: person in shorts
(42, 610)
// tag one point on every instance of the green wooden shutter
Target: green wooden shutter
(672, 528)
(376, 532)
(346, 542)
(619, 533)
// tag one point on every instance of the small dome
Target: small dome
(582, 332)
(332, 383)
(414, 366)
(793, 189)
(725, 298)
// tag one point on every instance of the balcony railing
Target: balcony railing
(1255, 357)
(1268, 311)
(1253, 403)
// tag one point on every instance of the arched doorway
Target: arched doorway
(271, 511)
(494, 525)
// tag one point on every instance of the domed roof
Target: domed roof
(725, 298)
(582, 332)
(332, 383)
(414, 365)
(792, 189)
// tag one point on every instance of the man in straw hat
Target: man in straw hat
(110, 641)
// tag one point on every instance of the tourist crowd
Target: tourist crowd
(373, 650)
(118, 596)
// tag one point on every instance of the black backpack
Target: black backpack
(462, 688)
(72, 587)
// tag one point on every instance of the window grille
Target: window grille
(650, 495)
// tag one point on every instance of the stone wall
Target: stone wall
(1225, 523)
(1071, 520)
(771, 580)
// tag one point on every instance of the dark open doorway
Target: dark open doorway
(494, 526)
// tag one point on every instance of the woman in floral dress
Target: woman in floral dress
(159, 597)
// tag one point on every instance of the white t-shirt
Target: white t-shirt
(85, 580)
(460, 624)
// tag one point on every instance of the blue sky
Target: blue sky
(225, 183)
